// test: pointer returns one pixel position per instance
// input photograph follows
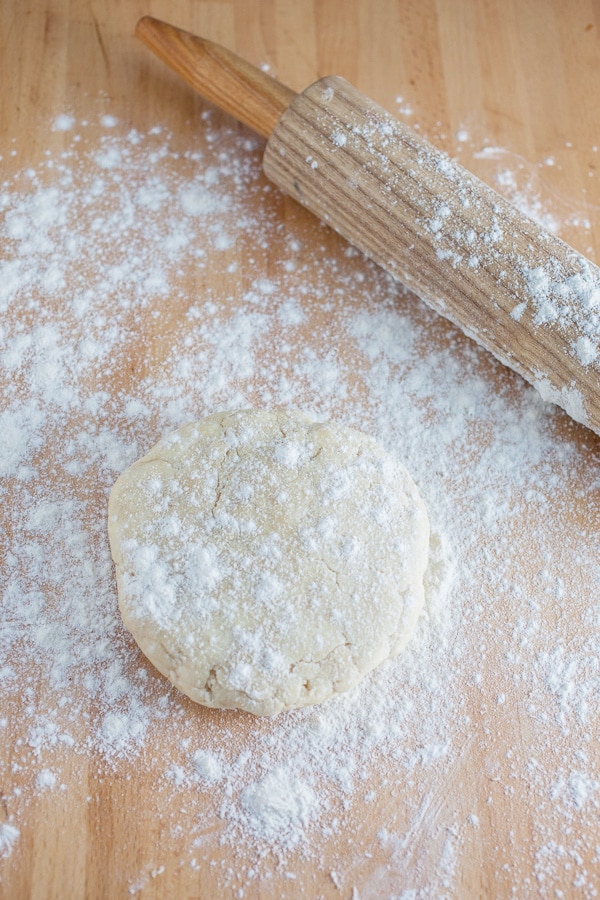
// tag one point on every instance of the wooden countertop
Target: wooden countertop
(511, 90)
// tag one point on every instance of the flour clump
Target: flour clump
(266, 561)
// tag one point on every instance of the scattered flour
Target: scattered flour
(278, 807)
(45, 779)
(97, 245)
(8, 838)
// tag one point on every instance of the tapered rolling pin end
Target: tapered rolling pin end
(220, 76)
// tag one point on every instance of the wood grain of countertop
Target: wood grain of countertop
(511, 89)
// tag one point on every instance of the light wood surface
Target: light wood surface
(500, 86)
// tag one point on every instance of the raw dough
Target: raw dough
(266, 561)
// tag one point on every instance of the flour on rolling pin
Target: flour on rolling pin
(516, 289)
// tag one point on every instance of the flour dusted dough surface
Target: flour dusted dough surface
(265, 561)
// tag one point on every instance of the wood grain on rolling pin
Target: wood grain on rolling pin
(522, 293)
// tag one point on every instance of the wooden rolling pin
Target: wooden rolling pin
(519, 291)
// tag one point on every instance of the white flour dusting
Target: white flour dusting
(8, 838)
(97, 245)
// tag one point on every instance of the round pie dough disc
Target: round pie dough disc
(266, 561)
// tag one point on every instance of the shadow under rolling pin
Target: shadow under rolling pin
(513, 287)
